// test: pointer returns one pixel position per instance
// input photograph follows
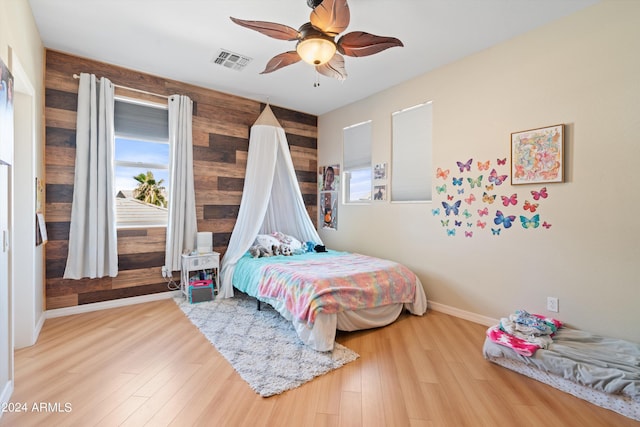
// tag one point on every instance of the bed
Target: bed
(604, 371)
(323, 292)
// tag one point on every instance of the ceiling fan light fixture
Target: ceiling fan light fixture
(316, 50)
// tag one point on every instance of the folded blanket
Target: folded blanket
(524, 332)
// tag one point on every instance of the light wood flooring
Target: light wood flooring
(147, 365)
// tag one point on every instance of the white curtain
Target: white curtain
(92, 236)
(182, 225)
(271, 198)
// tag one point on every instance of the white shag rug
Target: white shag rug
(261, 345)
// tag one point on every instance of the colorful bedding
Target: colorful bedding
(329, 282)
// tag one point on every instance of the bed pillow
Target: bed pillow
(285, 239)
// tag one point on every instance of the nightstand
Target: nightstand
(197, 268)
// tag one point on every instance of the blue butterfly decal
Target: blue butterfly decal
(474, 182)
(464, 166)
(458, 223)
(451, 208)
(534, 222)
(435, 211)
(495, 178)
(495, 231)
(504, 220)
(457, 181)
(461, 191)
(451, 232)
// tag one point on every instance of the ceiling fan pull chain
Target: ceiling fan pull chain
(317, 83)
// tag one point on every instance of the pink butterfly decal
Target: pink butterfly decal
(502, 161)
(495, 178)
(468, 234)
(530, 206)
(546, 225)
(483, 212)
(464, 166)
(540, 194)
(442, 173)
(481, 224)
(483, 166)
(470, 199)
(513, 200)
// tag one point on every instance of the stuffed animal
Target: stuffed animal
(259, 251)
(286, 250)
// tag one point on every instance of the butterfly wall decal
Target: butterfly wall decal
(481, 224)
(489, 187)
(465, 166)
(475, 182)
(495, 231)
(483, 212)
(470, 199)
(488, 198)
(468, 234)
(449, 208)
(451, 231)
(441, 189)
(466, 213)
(502, 161)
(512, 200)
(542, 194)
(442, 173)
(495, 178)
(533, 222)
(435, 211)
(461, 191)
(457, 223)
(483, 166)
(457, 181)
(530, 206)
(506, 221)
(449, 196)
(445, 222)
(546, 225)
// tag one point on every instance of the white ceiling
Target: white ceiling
(177, 39)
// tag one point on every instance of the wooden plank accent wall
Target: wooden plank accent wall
(221, 126)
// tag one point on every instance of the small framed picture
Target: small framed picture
(380, 171)
(379, 192)
(537, 155)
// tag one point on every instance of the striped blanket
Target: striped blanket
(345, 281)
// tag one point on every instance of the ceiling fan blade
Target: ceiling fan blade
(331, 16)
(334, 68)
(271, 29)
(281, 60)
(359, 43)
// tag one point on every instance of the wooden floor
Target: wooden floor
(147, 365)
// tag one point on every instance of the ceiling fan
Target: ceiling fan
(316, 39)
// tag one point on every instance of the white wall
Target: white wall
(20, 45)
(582, 71)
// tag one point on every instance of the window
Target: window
(141, 164)
(357, 162)
(411, 168)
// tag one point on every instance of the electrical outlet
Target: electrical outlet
(165, 271)
(552, 304)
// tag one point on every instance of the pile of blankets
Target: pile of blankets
(523, 332)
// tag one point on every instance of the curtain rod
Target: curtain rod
(76, 76)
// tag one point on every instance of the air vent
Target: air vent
(231, 60)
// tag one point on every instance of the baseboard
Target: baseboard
(6, 393)
(467, 315)
(86, 308)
